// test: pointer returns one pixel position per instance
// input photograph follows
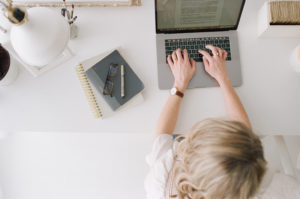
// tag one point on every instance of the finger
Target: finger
(221, 53)
(193, 63)
(213, 49)
(206, 63)
(174, 56)
(225, 54)
(185, 54)
(218, 49)
(170, 61)
(179, 55)
(206, 54)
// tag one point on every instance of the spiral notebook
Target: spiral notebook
(97, 103)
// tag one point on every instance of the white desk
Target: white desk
(55, 101)
(81, 165)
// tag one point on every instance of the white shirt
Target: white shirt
(160, 160)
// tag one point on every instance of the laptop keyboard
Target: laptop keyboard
(195, 44)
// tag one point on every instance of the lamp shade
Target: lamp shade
(42, 38)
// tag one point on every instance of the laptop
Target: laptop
(192, 24)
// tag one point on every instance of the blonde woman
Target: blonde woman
(217, 158)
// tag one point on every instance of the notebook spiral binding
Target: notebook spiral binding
(88, 91)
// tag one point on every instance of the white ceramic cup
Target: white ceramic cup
(12, 72)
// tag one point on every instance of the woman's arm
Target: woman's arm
(234, 107)
(168, 117)
(215, 65)
(183, 70)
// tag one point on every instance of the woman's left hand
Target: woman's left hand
(182, 67)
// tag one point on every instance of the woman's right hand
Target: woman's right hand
(215, 65)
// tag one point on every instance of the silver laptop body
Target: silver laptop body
(201, 78)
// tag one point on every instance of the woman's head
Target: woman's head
(219, 159)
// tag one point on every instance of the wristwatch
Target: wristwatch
(174, 91)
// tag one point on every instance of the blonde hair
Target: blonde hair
(218, 159)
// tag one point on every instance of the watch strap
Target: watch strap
(180, 94)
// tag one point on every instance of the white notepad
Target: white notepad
(97, 104)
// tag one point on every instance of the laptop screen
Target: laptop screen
(196, 15)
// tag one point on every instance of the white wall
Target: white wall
(73, 165)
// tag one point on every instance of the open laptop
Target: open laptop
(192, 24)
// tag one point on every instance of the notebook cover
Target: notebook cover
(98, 73)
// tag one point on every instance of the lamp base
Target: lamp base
(66, 55)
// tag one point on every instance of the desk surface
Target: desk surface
(55, 101)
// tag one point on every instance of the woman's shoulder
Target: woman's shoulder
(160, 161)
(161, 149)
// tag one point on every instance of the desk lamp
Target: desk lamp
(38, 35)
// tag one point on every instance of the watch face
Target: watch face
(173, 91)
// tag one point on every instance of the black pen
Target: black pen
(63, 12)
(72, 12)
(73, 20)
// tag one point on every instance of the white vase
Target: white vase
(42, 38)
